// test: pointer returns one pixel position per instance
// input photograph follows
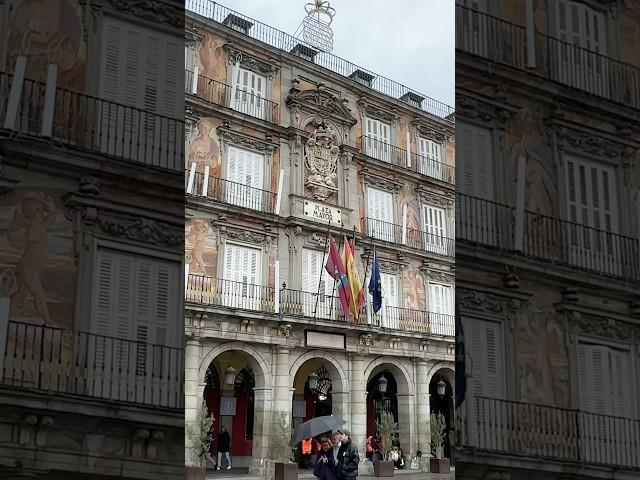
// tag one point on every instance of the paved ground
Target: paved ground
(242, 474)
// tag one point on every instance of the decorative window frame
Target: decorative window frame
(229, 138)
(376, 182)
(268, 69)
(246, 238)
(377, 112)
(446, 202)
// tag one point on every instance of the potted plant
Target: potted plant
(438, 464)
(387, 428)
(281, 451)
(200, 444)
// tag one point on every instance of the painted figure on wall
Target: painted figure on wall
(197, 238)
(28, 232)
(204, 149)
(48, 31)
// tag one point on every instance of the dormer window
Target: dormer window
(412, 99)
(237, 23)
(305, 52)
(365, 78)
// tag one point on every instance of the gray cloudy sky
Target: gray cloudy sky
(409, 41)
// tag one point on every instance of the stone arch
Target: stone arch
(406, 386)
(339, 379)
(446, 369)
(262, 371)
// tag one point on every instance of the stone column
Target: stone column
(192, 400)
(358, 423)
(262, 417)
(423, 413)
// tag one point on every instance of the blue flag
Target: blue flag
(375, 286)
(461, 374)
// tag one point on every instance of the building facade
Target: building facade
(285, 145)
(91, 245)
(547, 238)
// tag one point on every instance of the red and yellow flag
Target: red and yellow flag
(356, 299)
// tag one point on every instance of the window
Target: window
(476, 27)
(378, 140)
(474, 172)
(189, 57)
(440, 309)
(380, 216)
(434, 229)
(430, 161)
(250, 93)
(592, 210)
(245, 175)
(316, 280)
(242, 277)
(391, 315)
(581, 30)
(135, 297)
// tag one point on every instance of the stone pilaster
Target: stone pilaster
(423, 412)
(191, 398)
(358, 403)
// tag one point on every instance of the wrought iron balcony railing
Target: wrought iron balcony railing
(88, 123)
(232, 193)
(502, 42)
(221, 94)
(417, 239)
(399, 157)
(204, 290)
(548, 239)
(55, 360)
(280, 40)
(538, 431)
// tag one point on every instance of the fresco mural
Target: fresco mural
(48, 31)
(413, 287)
(36, 241)
(210, 58)
(204, 149)
(201, 244)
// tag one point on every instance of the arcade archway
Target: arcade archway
(441, 400)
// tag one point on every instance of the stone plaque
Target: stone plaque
(299, 409)
(322, 213)
(325, 340)
(227, 406)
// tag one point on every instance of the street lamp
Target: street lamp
(230, 376)
(313, 381)
(382, 384)
(441, 386)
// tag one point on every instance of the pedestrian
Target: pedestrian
(325, 466)
(336, 442)
(224, 445)
(370, 449)
(306, 448)
(348, 458)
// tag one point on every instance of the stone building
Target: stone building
(548, 96)
(286, 143)
(91, 245)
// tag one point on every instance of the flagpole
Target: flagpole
(324, 255)
(366, 272)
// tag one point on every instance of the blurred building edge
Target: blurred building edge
(285, 144)
(547, 238)
(91, 242)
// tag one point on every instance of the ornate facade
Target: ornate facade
(547, 238)
(284, 149)
(91, 244)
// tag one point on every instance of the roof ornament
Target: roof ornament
(315, 28)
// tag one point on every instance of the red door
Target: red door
(240, 444)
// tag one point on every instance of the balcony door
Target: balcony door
(390, 311)
(435, 230)
(250, 92)
(378, 139)
(430, 160)
(441, 309)
(605, 385)
(474, 36)
(593, 216)
(579, 56)
(318, 297)
(240, 286)
(245, 175)
(380, 215)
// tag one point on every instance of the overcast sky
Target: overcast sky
(409, 41)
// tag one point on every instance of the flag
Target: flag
(335, 267)
(460, 364)
(356, 297)
(375, 287)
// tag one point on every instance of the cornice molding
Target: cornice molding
(475, 108)
(487, 302)
(372, 109)
(370, 179)
(229, 232)
(250, 62)
(435, 199)
(590, 142)
(232, 137)
(320, 102)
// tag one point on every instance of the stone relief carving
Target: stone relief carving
(321, 156)
(390, 115)
(366, 340)
(470, 107)
(381, 182)
(435, 199)
(268, 69)
(321, 102)
(591, 143)
(432, 132)
(246, 236)
(236, 138)
(486, 302)
(439, 277)
(581, 324)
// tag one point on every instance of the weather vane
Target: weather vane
(315, 27)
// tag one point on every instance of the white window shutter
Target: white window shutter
(434, 225)
(389, 289)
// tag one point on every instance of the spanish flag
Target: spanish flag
(356, 299)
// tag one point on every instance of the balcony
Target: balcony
(414, 162)
(83, 122)
(542, 432)
(54, 360)
(412, 238)
(232, 193)
(504, 43)
(548, 239)
(221, 94)
(282, 41)
(208, 291)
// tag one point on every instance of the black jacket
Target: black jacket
(224, 442)
(325, 471)
(348, 460)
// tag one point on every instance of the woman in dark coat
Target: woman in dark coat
(325, 465)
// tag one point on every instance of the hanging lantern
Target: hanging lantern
(230, 376)
(313, 381)
(382, 384)
(441, 386)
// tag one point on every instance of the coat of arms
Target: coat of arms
(321, 157)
